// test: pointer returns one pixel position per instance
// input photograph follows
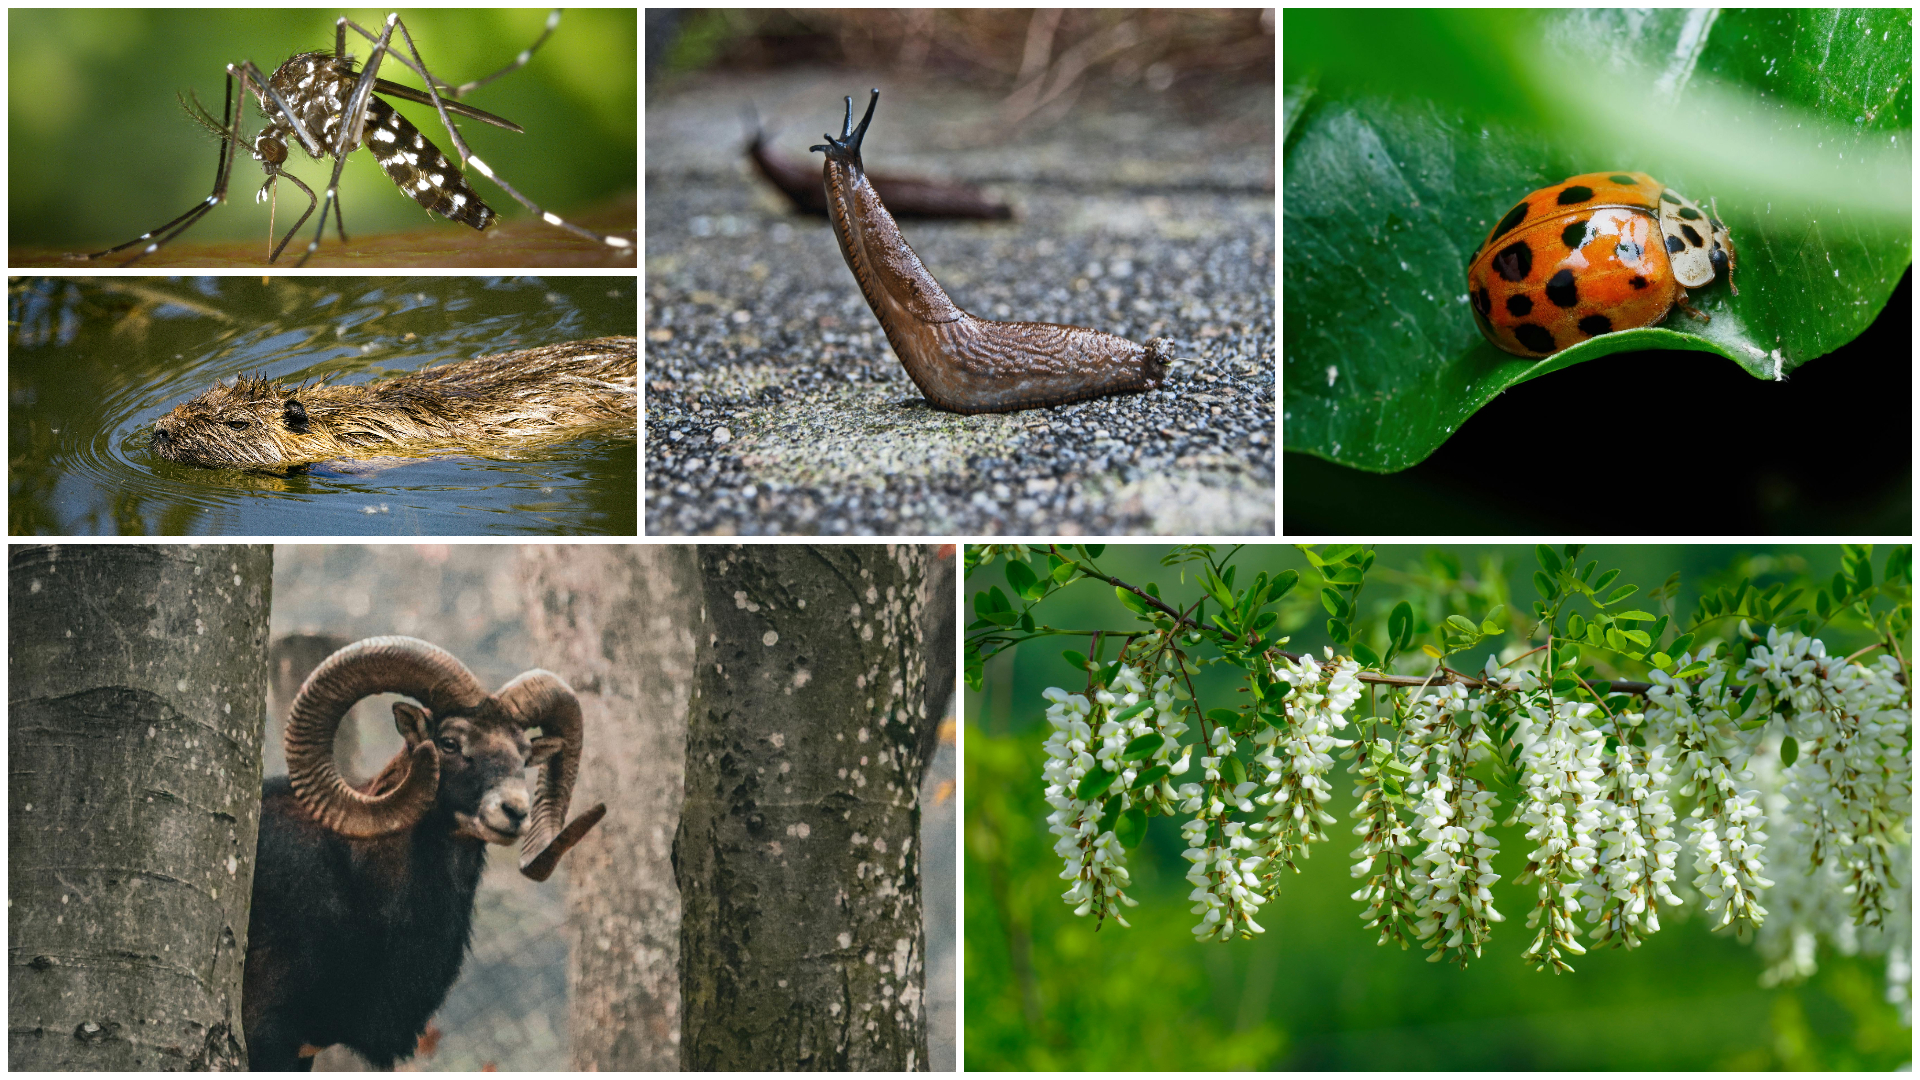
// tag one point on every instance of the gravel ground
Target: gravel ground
(774, 405)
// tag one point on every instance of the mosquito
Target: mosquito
(317, 102)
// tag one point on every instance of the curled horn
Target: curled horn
(381, 665)
(542, 699)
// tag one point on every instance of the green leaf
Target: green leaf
(1605, 579)
(1680, 644)
(1283, 583)
(1151, 776)
(1223, 716)
(1746, 700)
(1110, 814)
(1543, 584)
(1131, 828)
(1020, 576)
(1576, 626)
(1337, 630)
(1638, 637)
(1621, 593)
(1130, 601)
(1064, 571)
(1547, 559)
(1367, 657)
(1698, 667)
(1092, 785)
(995, 601)
(1462, 625)
(1076, 660)
(1131, 711)
(1093, 550)
(1330, 600)
(1236, 770)
(1637, 616)
(1382, 359)
(1400, 623)
(1144, 746)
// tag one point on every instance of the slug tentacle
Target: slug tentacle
(961, 363)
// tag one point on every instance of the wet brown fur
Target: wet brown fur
(487, 403)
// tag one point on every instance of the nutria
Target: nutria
(487, 403)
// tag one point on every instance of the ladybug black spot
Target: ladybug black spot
(1576, 235)
(1675, 245)
(1629, 251)
(1637, 281)
(1668, 196)
(1562, 290)
(1507, 224)
(1715, 222)
(1534, 337)
(1519, 305)
(1693, 238)
(1578, 193)
(1595, 325)
(1514, 262)
(1689, 213)
(1623, 178)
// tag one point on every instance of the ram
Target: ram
(363, 897)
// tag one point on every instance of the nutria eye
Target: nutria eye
(238, 425)
(450, 745)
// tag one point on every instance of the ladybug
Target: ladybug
(1583, 258)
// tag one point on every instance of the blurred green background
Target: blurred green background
(100, 150)
(1044, 990)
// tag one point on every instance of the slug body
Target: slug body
(963, 364)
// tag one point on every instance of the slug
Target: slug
(905, 196)
(963, 364)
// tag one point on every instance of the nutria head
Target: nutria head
(251, 421)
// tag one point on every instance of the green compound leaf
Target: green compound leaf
(1144, 746)
(1402, 153)
(1131, 828)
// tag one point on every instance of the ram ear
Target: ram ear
(544, 748)
(414, 723)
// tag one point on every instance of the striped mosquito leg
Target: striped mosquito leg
(467, 157)
(421, 170)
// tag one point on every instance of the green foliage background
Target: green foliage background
(1045, 990)
(1408, 133)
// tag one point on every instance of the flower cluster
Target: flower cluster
(1083, 808)
(1637, 850)
(1560, 769)
(1836, 783)
(1758, 743)
(1297, 758)
(1702, 721)
(1451, 878)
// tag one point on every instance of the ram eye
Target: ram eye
(449, 744)
(238, 425)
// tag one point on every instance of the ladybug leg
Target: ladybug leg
(1681, 300)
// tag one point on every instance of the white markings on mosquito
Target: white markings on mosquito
(382, 135)
(439, 180)
(459, 201)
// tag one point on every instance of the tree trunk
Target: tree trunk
(137, 686)
(618, 622)
(801, 934)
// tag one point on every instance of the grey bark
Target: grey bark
(802, 940)
(617, 621)
(136, 689)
